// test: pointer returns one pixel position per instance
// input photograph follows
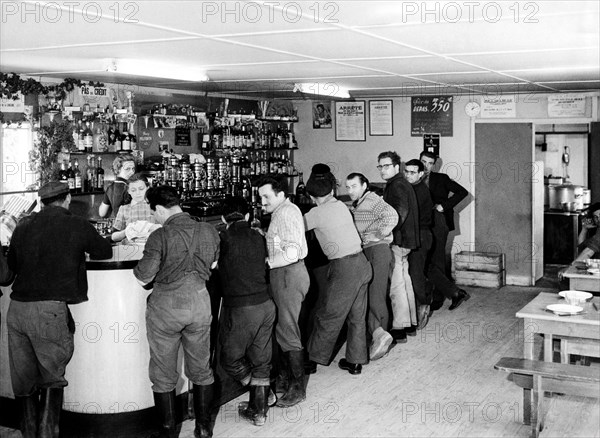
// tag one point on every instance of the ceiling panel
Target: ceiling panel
(353, 44)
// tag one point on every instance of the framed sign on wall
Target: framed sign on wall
(350, 121)
(381, 114)
(431, 114)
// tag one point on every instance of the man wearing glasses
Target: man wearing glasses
(399, 194)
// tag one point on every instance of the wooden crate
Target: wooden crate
(480, 269)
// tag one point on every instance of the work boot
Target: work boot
(203, 403)
(256, 410)
(296, 391)
(51, 404)
(459, 297)
(422, 316)
(165, 404)
(282, 381)
(29, 415)
(381, 343)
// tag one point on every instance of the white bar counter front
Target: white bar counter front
(108, 373)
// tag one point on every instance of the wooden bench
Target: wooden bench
(538, 377)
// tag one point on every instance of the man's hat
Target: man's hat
(321, 181)
(53, 189)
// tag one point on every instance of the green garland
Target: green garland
(11, 85)
(50, 141)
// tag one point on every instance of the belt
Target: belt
(291, 264)
(349, 256)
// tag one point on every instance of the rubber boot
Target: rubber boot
(246, 409)
(203, 401)
(282, 380)
(29, 415)
(165, 403)
(261, 405)
(51, 400)
(296, 391)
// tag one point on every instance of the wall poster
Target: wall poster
(350, 121)
(431, 114)
(381, 114)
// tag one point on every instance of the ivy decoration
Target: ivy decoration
(11, 85)
(49, 142)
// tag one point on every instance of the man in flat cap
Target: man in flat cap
(47, 254)
(344, 298)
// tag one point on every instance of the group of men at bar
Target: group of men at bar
(379, 248)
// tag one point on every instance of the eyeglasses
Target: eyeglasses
(384, 166)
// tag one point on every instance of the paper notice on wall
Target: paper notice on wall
(498, 107)
(566, 105)
(13, 105)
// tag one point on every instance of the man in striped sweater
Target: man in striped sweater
(374, 219)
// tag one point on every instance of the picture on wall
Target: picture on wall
(381, 113)
(321, 115)
(350, 121)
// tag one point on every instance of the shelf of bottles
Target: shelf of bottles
(237, 152)
(91, 180)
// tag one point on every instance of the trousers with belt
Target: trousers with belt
(179, 316)
(343, 300)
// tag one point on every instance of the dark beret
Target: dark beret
(321, 181)
(52, 189)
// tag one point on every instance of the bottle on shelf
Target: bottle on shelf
(88, 138)
(100, 140)
(81, 137)
(99, 175)
(62, 173)
(125, 139)
(76, 137)
(77, 173)
(71, 178)
(301, 191)
(90, 172)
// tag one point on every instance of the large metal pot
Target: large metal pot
(563, 194)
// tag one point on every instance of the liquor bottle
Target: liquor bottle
(81, 139)
(125, 139)
(100, 175)
(62, 173)
(247, 190)
(88, 138)
(90, 179)
(300, 191)
(77, 174)
(76, 137)
(100, 140)
(113, 134)
(71, 178)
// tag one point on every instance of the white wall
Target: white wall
(456, 152)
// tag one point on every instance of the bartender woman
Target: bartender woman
(116, 193)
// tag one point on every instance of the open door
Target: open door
(504, 198)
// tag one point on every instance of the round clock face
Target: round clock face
(472, 109)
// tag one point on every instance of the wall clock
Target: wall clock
(472, 109)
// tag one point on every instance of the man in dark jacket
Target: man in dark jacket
(418, 258)
(446, 194)
(47, 254)
(248, 312)
(399, 194)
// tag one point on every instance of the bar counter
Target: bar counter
(108, 374)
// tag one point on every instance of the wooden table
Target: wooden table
(580, 279)
(537, 320)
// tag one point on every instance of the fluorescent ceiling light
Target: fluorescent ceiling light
(137, 67)
(327, 89)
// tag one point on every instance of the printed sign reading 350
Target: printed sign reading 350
(431, 114)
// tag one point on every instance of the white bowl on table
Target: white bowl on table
(575, 297)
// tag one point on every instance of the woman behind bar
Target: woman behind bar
(116, 192)
(137, 210)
